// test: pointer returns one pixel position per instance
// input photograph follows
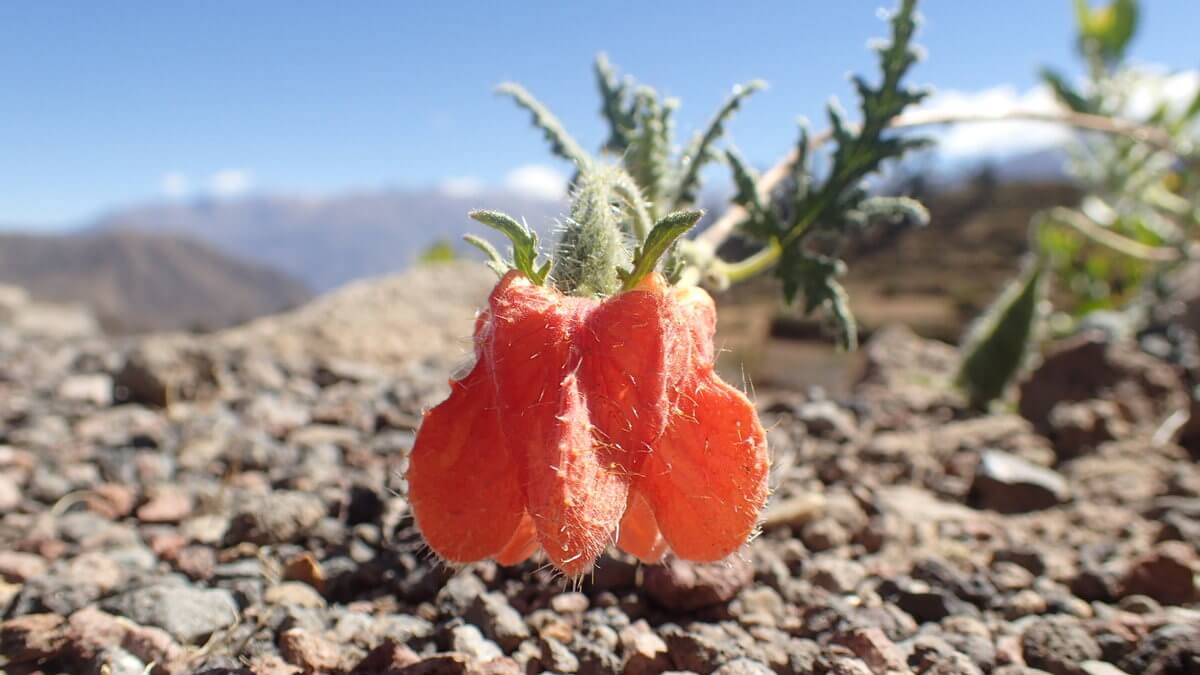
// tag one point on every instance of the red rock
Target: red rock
(19, 567)
(91, 630)
(111, 500)
(32, 637)
(387, 657)
(308, 650)
(1166, 574)
(682, 586)
(168, 507)
(304, 567)
(155, 645)
(198, 562)
(269, 664)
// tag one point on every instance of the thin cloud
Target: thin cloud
(230, 183)
(175, 184)
(461, 186)
(536, 181)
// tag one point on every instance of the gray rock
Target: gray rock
(189, 614)
(468, 640)
(743, 667)
(499, 621)
(1057, 645)
(679, 585)
(1009, 484)
(278, 518)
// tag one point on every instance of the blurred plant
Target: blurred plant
(439, 251)
(998, 345)
(1139, 210)
(1137, 218)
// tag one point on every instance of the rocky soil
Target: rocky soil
(235, 504)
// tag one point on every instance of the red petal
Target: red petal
(522, 545)
(463, 482)
(577, 489)
(639, 533)
(623, 373)
(707, 477)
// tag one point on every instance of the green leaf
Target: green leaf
(1065, 93)
(700, 151)
(996, 348)
(660, 239)
(836, 203)
(524, 243)
(439, 251)
(1107, 29)
(561, 143)
(816, 275)
(615, 105)
(494, 261)
(648, 158)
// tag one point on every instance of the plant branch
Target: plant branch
(1152, 136)
(1106, 237)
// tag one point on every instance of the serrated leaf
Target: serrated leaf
(661, 237)
(615, 105)
(997, 346)
(648, 158)
(700, 151)
(816, 276)
(561, 143)
(524, 243)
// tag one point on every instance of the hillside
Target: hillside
(134, 281)
(329, 241)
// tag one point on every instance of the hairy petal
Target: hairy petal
(623, 373)
(707, 477)
(576, 490)
(462, 478)
(639, 533)
(522, 545)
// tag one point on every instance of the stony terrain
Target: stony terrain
(234, 504)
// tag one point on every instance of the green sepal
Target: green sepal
(658, 242)
(524, 244)
(494, 261)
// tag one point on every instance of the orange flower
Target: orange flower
(585, 421)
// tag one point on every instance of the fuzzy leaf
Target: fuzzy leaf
(657, 243)
(996, 349)
(648, 158)
(494, 261)
(615, 105)
(524, 243)
(816, 275)
(561, 143)
(700, 151)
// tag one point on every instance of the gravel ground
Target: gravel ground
(180, 505)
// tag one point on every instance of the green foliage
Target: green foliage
(835, 203)
(1105, 32)
(998, 345)
(1135, 196)
(662, 236)
(641, 133)
(561, 143)
(524, 245)
(439, 251)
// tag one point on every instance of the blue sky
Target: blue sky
(110, 103)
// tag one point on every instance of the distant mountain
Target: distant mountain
(329, 241)
(136, 281)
